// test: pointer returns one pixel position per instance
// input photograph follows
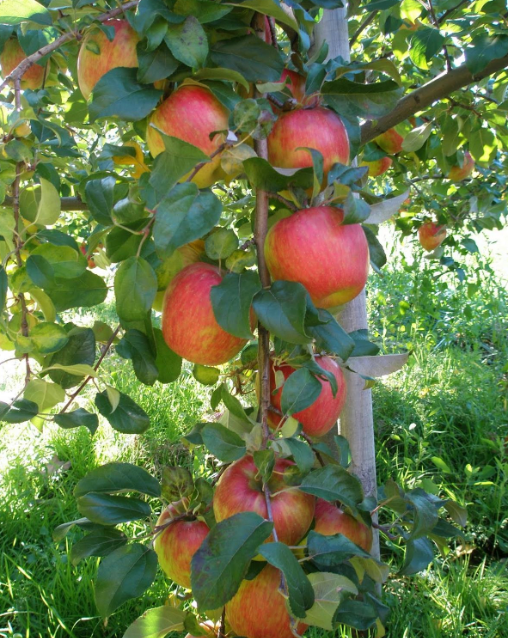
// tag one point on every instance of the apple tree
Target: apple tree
(219, 163)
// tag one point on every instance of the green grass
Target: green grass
(441, 422)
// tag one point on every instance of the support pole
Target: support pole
(356, 422)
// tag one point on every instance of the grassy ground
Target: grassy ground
(440, 422)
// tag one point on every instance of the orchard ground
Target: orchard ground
(441, 423)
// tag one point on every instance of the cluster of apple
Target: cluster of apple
(240, 489)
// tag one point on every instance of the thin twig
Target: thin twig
(96, 367)
(452, 10)
(285, 201)
(436, 24)
(199, 166)
(24, 65)
(368, 20)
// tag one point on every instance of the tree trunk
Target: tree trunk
(356, 421)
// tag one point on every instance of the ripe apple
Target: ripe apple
(11, 56)
(192, 113)
(188, 321)
(378, 167)
(390, 141)
(318, 128)
(91, 262)
(332, 520)
(259, 610)
(240, 489)
(137, 162)
(322, 415)
(431, 235)
(313, 247)
(458, 173)
(98, 55)
(176, 545)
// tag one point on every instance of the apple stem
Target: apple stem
(285, 201)
(199, 166)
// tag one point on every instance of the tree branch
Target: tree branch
(452, 10)
(368, 20)
(24, 65)
(435, 90)
(67, 203)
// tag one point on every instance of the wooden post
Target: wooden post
(356, 422)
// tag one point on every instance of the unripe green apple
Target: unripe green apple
(314, 248)
(11, 56)
(240, 489)
(259, 610)
(318, 128)
(188, 321)
(98, 55)
(191, 113)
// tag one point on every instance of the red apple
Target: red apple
(332, 520)
(177, 544)
(192, 113)
(259, 610)
(321, 416)
(98, 55)
(240, 489)
(314, 248)
(316, 128)
(458, 173)
(188, 321)
(390, 141)
(11, 56)
(378, 167)
(431, 235)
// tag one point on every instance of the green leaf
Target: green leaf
(482, 144)
(111, 510)
(300, 390)
(157, 623)
(176, 483)
(45, 394)
(232, 301)
(126, 573)
(48, 337)
(330, 336)
(302, 453)
(415, 139)
(262, 175)
(370, 101)
(334, 483)
(122, 244)
(377, 253)
(128, 417)
(75, 419)
(221, 243)
(3, 288)
(80, 349)
(355, 613)
(85, 291)
(135, 289)
(328, 592)
(363, 347)
(265, 462)
(113, 478)
(250, 56)
(225, 444)
(178, 159)
(14, 12)
(327, 552)
(155, 65)
(188, 42)
(425, 512)
(424, 45)
(126, 211)
(419, 554)
(281, 309)
(98, 543)
(204, 10)
(40, 204)
(301, 594)
(220, 564)
(184, 215)
(485, 49)
(65, 262)
(206, 375)
(168, 363)
(118, 93)
(220, 74)
(21, 411)
(136, 346)
(40, 271)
